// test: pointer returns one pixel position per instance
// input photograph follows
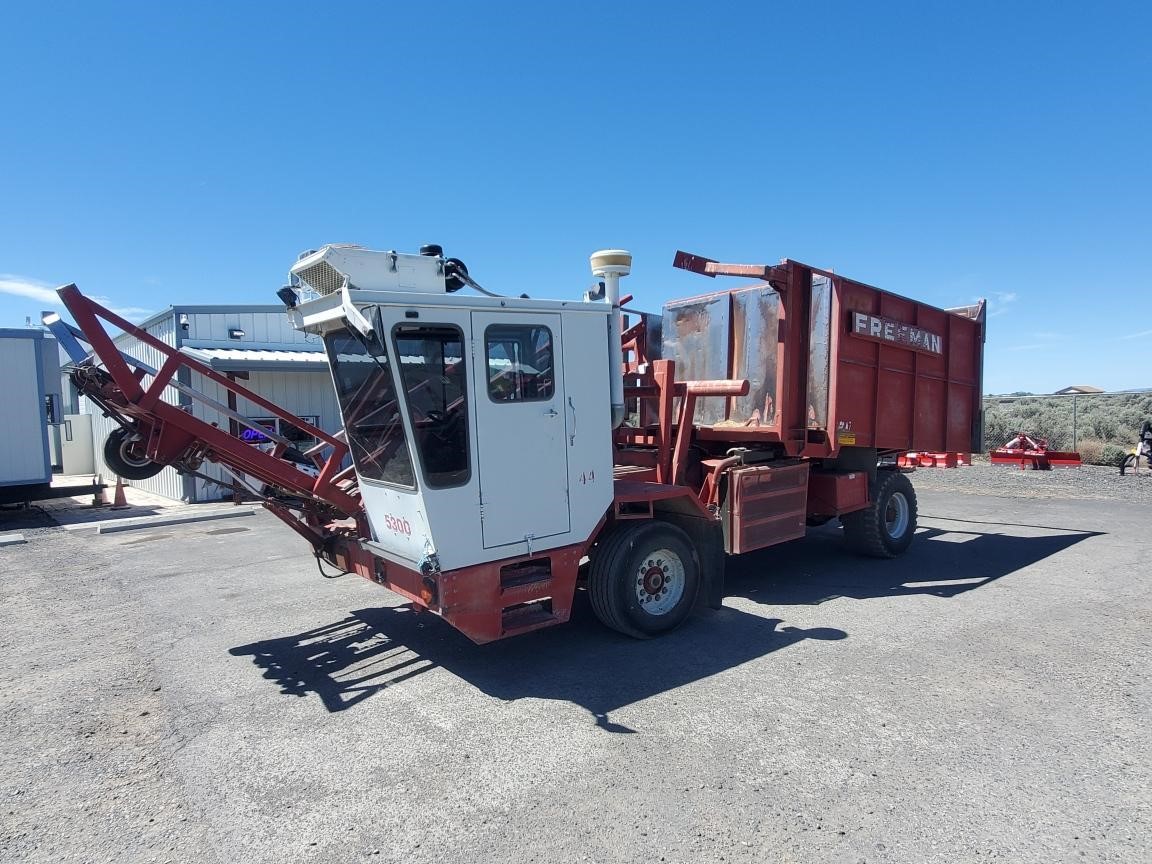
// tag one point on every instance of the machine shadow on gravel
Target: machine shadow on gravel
(37, 517)
(26, 518)
(941, 563)
(371, 650)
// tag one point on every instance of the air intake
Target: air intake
(333, 267)
(322, 278)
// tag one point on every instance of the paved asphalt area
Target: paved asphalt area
(199, 693)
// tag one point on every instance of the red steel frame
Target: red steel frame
(175, 436)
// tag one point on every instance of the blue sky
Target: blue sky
(185, 153)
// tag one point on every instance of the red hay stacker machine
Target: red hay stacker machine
(1030, 453)
(500, 452)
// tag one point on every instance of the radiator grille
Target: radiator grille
(322, 278)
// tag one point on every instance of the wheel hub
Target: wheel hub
(896, 515)
(660, 582)
(128, 450)
(654, 579)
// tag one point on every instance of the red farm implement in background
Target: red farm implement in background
(934, 460)
(1028, 453)
(498, 452)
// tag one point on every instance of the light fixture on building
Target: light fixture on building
(235, 333)
(183, 319)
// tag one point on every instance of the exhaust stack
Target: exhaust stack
(610, 265)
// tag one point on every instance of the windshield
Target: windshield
(363, 379)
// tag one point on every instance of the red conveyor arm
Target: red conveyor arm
(174, 436)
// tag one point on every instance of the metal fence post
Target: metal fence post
(1073, 421)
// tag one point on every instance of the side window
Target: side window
(433, 376)
(520, 363)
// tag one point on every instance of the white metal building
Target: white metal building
(261, 348)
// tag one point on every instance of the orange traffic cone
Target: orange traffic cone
(119, 502)
(98, 494)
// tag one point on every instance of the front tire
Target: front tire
(1129, 464)
(643, 578)
(884, 529)
(125, 457)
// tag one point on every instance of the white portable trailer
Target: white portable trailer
(31, 391)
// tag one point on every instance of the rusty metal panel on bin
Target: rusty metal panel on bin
(653, 322)
(830, 494)
(907, 375)
(819, 350)
(755, 345)
(765, 505)
(695, 333)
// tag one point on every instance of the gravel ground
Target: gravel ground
(1087, 481)
(199, 694)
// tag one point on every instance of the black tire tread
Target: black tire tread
(606, 562)
(863, 529)
(611, 558)
(116, 463)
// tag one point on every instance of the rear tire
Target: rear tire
(884, 529)
(125, 457)
(643, 578)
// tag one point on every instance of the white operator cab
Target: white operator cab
(480, 426)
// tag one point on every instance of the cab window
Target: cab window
(520, 363)
(433, 376)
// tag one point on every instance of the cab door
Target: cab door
(521, 427)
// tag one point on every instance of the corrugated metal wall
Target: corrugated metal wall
(301, 393)
(262, 329)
